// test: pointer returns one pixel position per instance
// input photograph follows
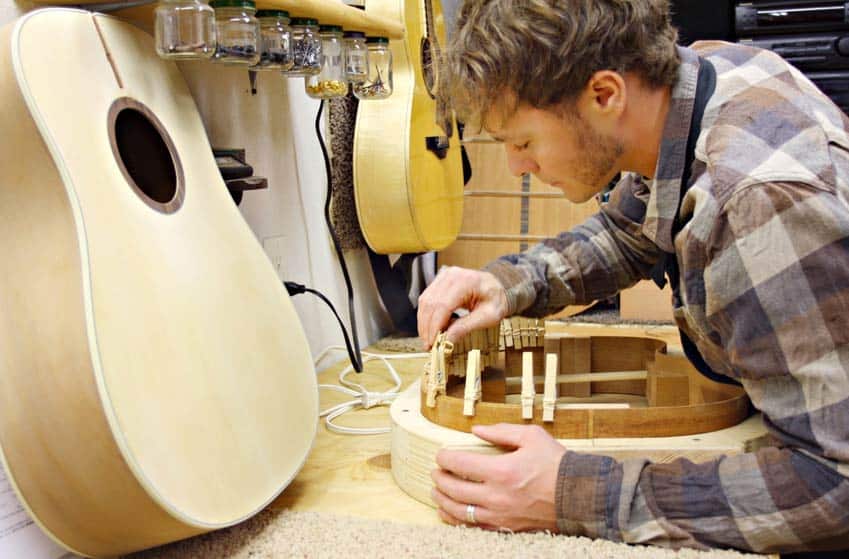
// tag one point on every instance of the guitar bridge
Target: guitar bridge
(438, 145)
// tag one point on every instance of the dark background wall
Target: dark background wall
(703, 19)
(695, 19)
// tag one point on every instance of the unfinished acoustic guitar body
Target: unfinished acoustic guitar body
(155, 380)
(622, 396)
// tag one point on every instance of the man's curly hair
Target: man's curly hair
(542, 52)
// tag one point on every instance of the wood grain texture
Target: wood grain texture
(492, 217)
(574, 355)
(621, 365)
(353, 476)
(645, 301)
(408, 199)
(415, 442)
(155, 380)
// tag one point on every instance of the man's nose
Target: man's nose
(519, 164)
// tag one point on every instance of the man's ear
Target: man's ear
(605, 94)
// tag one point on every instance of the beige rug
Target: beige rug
(322, 535)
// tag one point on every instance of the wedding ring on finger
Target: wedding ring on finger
(470, 514)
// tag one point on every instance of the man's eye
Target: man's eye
(521, 147)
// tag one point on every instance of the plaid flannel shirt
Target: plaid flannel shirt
(763, 293)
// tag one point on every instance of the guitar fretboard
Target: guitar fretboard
(523, 215)
(431, 59)
(430, 33)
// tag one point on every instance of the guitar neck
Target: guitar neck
(525, 210)
(430, 30)
(431, 60)
(428, 16)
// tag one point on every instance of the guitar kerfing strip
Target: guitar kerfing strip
(528, 391)
(459, 365)
(525, 328)
(516, 326)
(507, 333)
(472, 393)
(549, 399)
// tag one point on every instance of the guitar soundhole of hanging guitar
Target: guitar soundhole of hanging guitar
(146, 155)
(430, 59)
(427, 67)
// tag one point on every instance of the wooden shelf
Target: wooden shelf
(325, 11)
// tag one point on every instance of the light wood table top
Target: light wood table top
(351, 474)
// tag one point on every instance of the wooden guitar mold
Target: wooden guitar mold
(616, 395)
(155, 380)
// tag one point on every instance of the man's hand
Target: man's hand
(479, 292)
(513, 491)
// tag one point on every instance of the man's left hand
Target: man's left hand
(513, 491)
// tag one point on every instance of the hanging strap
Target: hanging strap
(393, 284)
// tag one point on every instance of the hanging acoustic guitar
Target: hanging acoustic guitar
(408, 174)
(155, 380)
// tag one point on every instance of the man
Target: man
(751, 224)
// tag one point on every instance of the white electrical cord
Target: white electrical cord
(364, 398)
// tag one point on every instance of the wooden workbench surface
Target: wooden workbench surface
(351, 475)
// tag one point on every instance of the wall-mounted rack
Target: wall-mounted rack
(326, 11)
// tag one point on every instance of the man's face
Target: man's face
(560, 148)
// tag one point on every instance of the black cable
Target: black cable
(296, 289)
(353, 352)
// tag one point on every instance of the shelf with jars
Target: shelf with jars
(327, 12)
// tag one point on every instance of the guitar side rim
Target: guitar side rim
(415, 441)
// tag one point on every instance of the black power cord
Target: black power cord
(296, 288)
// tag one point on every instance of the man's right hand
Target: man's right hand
(454, 288)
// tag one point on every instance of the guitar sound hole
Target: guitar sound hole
(427, 66)
(146, 155)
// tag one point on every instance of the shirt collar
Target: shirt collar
(665, 187)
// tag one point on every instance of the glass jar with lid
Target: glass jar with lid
(378, 82)
(330, 81)
(237, 30)
(184, 29)
(306, 47)
(275, 41)
(356, 56)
